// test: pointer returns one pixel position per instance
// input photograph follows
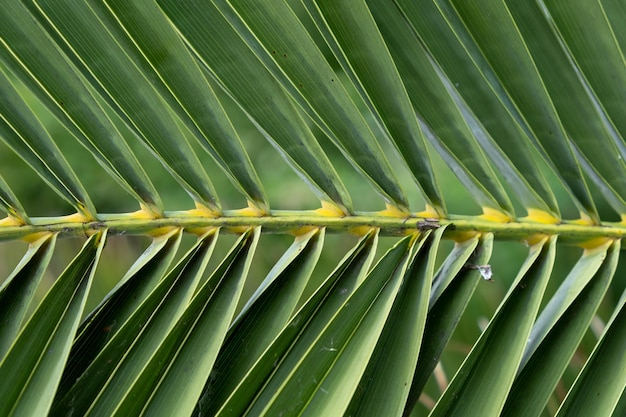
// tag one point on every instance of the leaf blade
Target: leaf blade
(135, 98)
(35, 361)
(30, 53)
(479, 387)
(233, 64)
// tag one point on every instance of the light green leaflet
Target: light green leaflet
(480, 386)
(104, 321)
(313, 315)
(599, 48)
(582, 119)
(32, 368)
(576, 281)
(385, 384)
(264, 315)
(236, 67)
(309, 73)
(112, 372)
(615, 12)
(9, 202)
(189, 350)
(31, 55)
(516, 70)
(438, 105)
(322, 369)
(22, 132)
(472, 79)
(596, 52)
(183, 86)
(18, 290)
(455, 261)
(620, 409)
(133, 95)
(601, 383)
(346, 26)
(537, 379)
(446, 308)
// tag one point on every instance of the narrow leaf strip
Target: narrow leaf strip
(445, 311)
(265, 313)
(189, 350)
(480, 386)
(313, 316)
(599, 53)
(351, 32)
(32, 368)
(385, 385)
(110, 315)
(11, 205)
(18, 290)
(620, 408)
(31, 55)
(184, 87)
(313, 78)
(540, 374)
(470, 77)
(581, 117)
(575, 282)
(322, 370)
(501, 43)
(107, 378)
(601, 383)
(24, 134)
(236, 67)
(453, 264)
(79, 26)
(434, 100)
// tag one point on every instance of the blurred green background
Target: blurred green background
(285, 191)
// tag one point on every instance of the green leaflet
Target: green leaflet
(234, 64)
(541, 372)
(519, 75)
(309, 73)
(109, 316)
(620, 409)
(346, 25)
(602, 381)
(323, 368)
(446, 309)
(181, 83)
(385, 384)
(454, 263)
(31, 55)
(18, 290)
(31, 369)
(583, 121)
(23, 133)
(312, 316)
(189, 350)
(576, 281)
(263, 317)
(10, 204)
(471, 77)
(598, 53)
(111, 373)
(480, 386)
(443, 122)
(133, 95)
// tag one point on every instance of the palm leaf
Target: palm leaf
(425, 113)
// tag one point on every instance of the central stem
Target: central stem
(292, 221)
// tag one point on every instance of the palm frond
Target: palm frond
(515, 106)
